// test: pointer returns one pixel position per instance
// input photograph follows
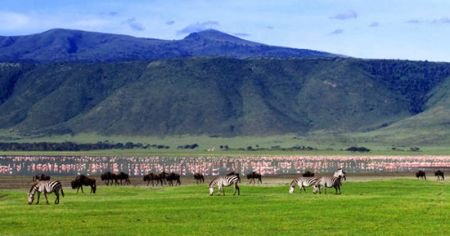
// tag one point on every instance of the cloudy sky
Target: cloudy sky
(399, 29)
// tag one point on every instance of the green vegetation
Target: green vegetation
(391, 207)
(228, 98)
(322, 143)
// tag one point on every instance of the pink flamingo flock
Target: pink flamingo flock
(212, 166)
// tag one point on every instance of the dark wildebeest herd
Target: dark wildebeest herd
(162, 179)
(43, 184)
(112, 178)
(422, 175)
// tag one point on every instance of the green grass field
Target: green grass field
(389, 207)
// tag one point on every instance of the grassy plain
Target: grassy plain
(380, 207)
(325, 144)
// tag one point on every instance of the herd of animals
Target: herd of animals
(43, 184)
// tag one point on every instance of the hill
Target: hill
(62, 45)
(224, 96)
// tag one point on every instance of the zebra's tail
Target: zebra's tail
(62, 191)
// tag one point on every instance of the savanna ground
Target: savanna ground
(395, 205)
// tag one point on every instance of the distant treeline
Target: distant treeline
(71, 146)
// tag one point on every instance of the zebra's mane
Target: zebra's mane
(213, 181)
(32, 187)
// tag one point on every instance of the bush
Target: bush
(357, 149)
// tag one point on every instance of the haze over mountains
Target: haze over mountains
(66, 81)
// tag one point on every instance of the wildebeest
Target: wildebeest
(236, 174)
(81, 180)
(42, 177)
(421, 175)
(152, 177)
(123, 177)
(199, 178)
(109, 178)
(439, 174)
(173, 177)
(253, 177)
(163, 177)
(308, 174)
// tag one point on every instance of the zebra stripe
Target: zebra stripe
(45, 187)
(224, 181)
(302, 183)
(328, 182)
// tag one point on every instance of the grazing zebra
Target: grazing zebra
(46, 187)
(224, 181)
(302, 183)
(236, 174)
(328, 182)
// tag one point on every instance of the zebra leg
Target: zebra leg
(236, 187)
(46, 198)
(39, 196)
(221, 189)
(81, 186)
(57, 197)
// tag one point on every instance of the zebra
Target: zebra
(340, 172)
(224, 181)
(334, 181)
(302, 183)
(46, 187)
(328, 182)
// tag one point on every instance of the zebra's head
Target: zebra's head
(31, 194)
(292, 187)
(339, 173)
(211, 186)
(315, 189)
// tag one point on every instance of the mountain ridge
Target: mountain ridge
(64, 45)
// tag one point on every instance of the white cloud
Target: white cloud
(12, 20)
(198, 26)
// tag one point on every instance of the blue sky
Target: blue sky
(397, 29)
